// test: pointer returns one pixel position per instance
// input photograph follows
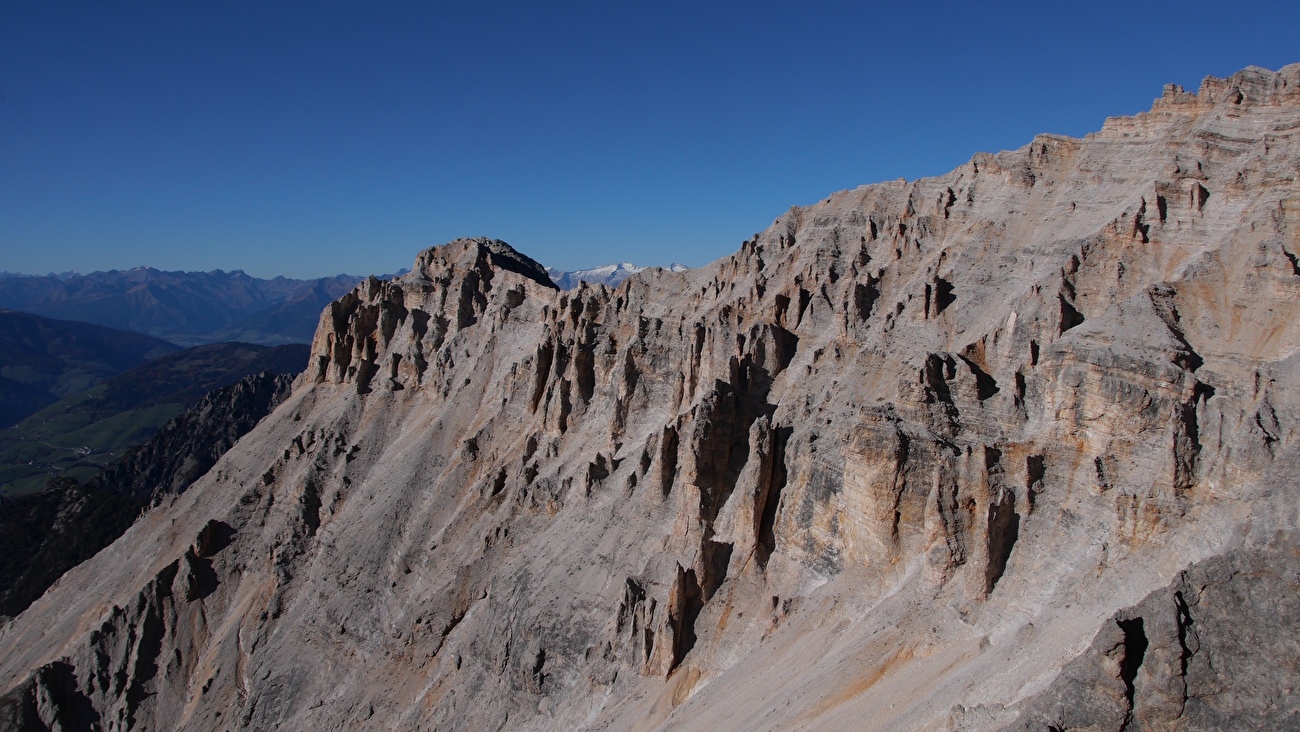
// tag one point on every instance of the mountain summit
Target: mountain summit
(1008, 448)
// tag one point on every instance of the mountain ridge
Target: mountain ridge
(977, 451)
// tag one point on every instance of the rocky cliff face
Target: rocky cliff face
(1001, 448)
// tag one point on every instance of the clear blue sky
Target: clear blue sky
(311, 138)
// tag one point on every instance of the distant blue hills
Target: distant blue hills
(186, 308)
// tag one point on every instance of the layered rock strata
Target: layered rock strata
(924, 455)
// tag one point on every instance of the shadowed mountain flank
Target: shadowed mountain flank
(47, 533)
(44, 360)
(998, 449)
(80, 434)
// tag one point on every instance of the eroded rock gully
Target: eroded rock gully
(1002, 448)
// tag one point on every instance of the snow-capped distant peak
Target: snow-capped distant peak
(608, 274)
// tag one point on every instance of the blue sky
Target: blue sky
(311, 138)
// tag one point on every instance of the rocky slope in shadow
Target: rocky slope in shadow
(46, 534)
(916, 457)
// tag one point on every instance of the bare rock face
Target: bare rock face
(1216, 649)
(946, 454)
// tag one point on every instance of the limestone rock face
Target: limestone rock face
(941, 454)
(1216, 649)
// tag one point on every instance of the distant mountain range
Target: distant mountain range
(187, 308)
(195, 308)
(609, 274)
(56, 275)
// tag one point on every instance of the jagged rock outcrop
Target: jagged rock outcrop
(189, 445)
(917, 456)
(1216, 649)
